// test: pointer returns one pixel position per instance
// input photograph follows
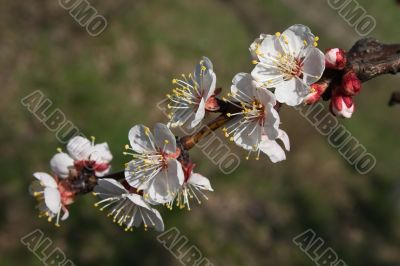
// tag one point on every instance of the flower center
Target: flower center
(253, 111)
(289, 66)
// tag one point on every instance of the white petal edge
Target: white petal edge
(45, 179)
(52, 198)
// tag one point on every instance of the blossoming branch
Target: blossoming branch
(288, 69)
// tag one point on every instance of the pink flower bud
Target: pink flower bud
(342, 106)
(316, 90)
(335, 58)
(351, 85)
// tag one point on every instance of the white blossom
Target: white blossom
(256, 115)
(288, 62)
(52, 197)
(154, 168)
(126, 208)
(84, 153)
(188, 100)
(192, 188)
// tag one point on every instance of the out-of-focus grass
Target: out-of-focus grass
(107, 84)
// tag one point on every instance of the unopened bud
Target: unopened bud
(342, 105)
(335, 58)
(351, 85)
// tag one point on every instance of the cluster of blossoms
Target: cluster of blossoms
(287, 69)
(56, 191)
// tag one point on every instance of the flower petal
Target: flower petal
(181, 116)
(296, 35)
(141, 139)
(157, 220)
(314, 65)
(79, 148)
(138, 200)
(205, 77)
(107, 187)
(248, 136)
(269, 49)
(292, 92)
(267, 75)
(164, 138)
(101, 153)
(65, 215)
(254, 46)
(52, 198)
(242, 83)
(272, 121)
(285, 139)
(201, 111)
(165, 184)
(265, 96)
(45, 179)
(200, 181)
(272, 149)
(61, 163)
(151, 217)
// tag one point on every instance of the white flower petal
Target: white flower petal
(285, 139)
(79, 148)
(292, 92)
(199, 115)
(200, 181)
(206, 79)
(166, 183)
(65, 215)
(314, 65)
(296, 35)
(181, 116)
(152, 216)
(272, 149)
(272, 121)
(249, 136)
(243, 83)
(138, 200)
(45, 179)
(157, 220)
(107, 187)
(267, 75)
(52, 198)
(164, 138)
(269, 49)
(61, 164)
(257, 42)
(101, 153)
(265, 96)
(141, 139)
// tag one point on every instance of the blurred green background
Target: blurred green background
(107, 84)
